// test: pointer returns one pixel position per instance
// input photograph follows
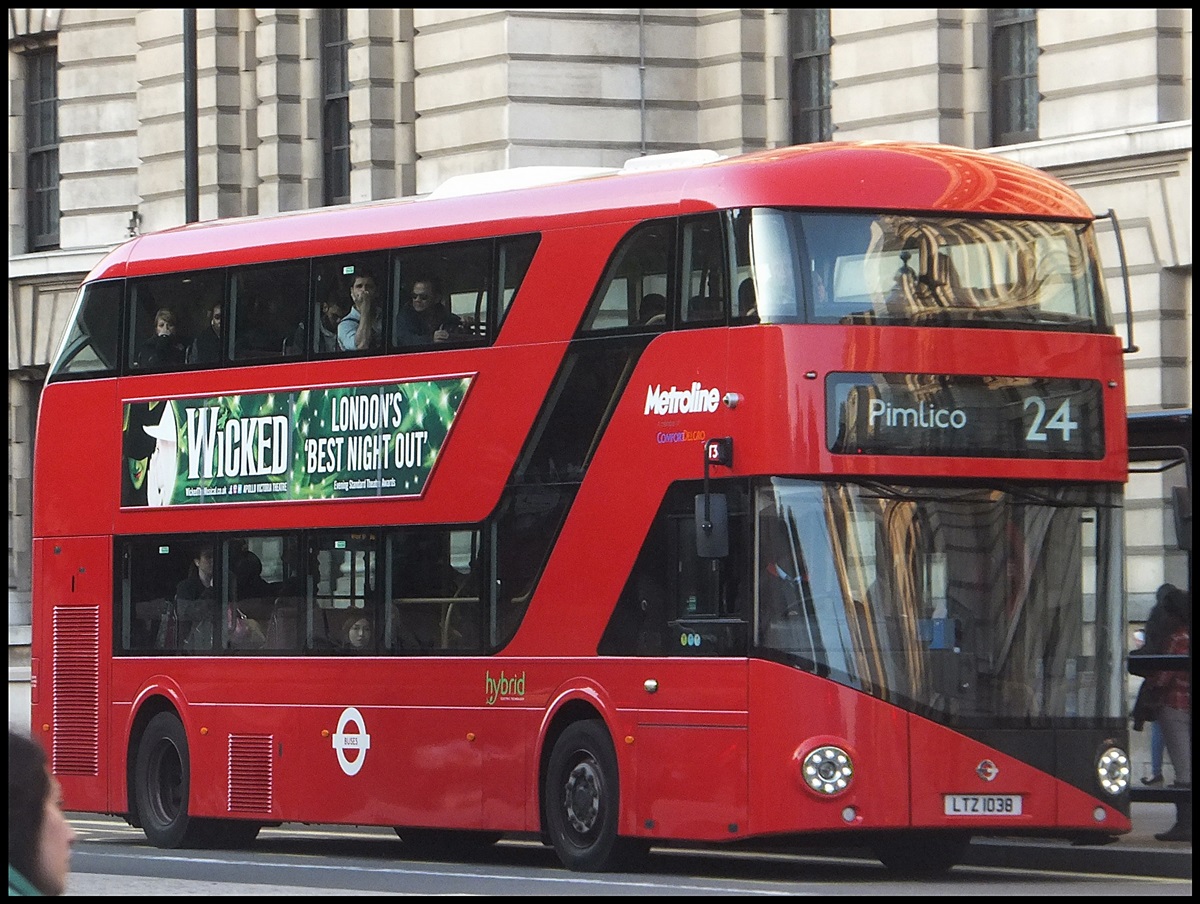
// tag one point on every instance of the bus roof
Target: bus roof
(863, 175)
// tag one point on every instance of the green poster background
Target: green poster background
(346, 442)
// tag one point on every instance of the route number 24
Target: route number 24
(1060, 421)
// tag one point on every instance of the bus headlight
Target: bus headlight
(827, 770)
(1112, 768)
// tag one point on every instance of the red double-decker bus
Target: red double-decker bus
(759, 497)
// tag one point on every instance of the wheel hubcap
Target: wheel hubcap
(166, 784)
(582, 796)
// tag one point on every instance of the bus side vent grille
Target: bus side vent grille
(251, 774)
(76, 697)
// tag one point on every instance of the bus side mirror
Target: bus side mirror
(712, 509)
(712, 525)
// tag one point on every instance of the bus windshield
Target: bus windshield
(918, 270)
(974, 607)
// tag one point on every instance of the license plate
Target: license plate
(982, 804)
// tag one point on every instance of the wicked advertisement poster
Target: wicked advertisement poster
(346, 442)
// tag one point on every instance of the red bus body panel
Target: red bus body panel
(713, 752)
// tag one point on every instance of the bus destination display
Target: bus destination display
(979, 416)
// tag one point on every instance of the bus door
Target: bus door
(73, 584)
(691, 749)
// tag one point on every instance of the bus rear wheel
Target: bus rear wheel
(162, 777)
(920, 854)
(582, 798)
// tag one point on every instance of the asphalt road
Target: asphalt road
(114, 860)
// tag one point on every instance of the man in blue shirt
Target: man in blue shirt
(362, 327)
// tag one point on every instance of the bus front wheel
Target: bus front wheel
(582, 798)
(162, 776)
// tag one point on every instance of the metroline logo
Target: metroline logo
(676, 401)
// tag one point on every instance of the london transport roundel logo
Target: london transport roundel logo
(357, 741)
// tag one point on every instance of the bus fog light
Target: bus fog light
(849, 814)
(1099, 814)
(827, 770)
(1113, 770)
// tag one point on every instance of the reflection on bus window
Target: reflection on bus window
(900, 269)
(969, 605)
(266, 592)
(421, 591)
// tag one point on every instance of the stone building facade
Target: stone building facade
(434, 93)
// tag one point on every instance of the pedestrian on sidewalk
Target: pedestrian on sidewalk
(39, 836)
(1155, 636)
(1157, 751)
(1166, 696)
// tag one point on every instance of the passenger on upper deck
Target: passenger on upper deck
(747, 298)
(206, 347)
(427, 319)
(164, 347)
(362, 327)
(653, 309)
(333, 309)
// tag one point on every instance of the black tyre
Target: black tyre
(162, 778)
(920, 854)
(582, 798)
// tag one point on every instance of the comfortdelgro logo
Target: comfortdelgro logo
(681, 401)
(503, 687)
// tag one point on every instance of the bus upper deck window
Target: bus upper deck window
(90, 345)
(773, 243)
(167, 314)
